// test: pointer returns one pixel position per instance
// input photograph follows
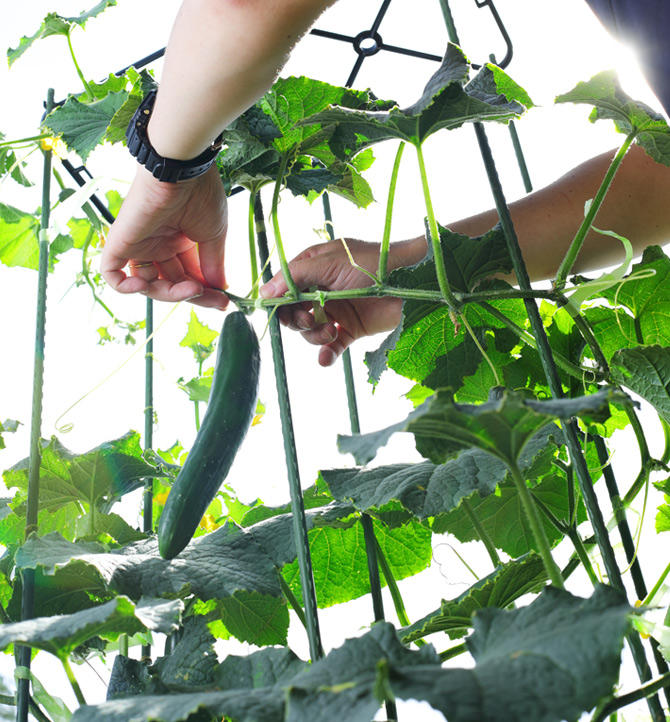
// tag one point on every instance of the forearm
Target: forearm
(637, 206)
(221, 57)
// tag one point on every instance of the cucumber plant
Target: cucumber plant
(517, 394)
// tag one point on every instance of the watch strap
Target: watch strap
(169, 170)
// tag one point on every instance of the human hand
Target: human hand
(171, 235)
(327, 266)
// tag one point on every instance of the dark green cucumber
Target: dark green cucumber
(232, 402)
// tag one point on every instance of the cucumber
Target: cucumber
(232, 402)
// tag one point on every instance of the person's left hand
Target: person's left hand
(171, 235)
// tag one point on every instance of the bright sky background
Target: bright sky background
(556, 44)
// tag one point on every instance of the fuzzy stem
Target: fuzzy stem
(645, 458)
(73, 681)
(625, 699)
(386, 239)
(252, 248)
(393, 587)
(292, 288)
(29, 139)
(576, 245)
(453, 652)
(659, 583)
(583, 555)
(292, 600)
(78, 69)
(481, 533)
(434, 233)
(541, 541)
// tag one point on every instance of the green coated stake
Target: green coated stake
(298, 516)
(28, 575)
(354, 421)
(148, 494)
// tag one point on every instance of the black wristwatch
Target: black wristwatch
(169, 170)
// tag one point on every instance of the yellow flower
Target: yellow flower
(55, 145)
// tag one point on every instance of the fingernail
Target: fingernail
(197, 295)
(327, 357)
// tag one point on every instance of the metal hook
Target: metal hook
(503, 31)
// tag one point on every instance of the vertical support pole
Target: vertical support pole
(148, 496)
(32, 505)
(366, 521)
(298, 516)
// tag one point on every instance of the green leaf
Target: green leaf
(10, 164)
(499, 589)
(501, 426)
(340, 560)
(503, 518)
(18, 237)
(98, 477)
(645, 370)
(663, 518)
(8, 426)
(107, 525)
(549, 661)
(199, 387)
(446, 102)
(431, 345)
(61, 634)
(83, 126)
(604, 92)
(54, 24)
(199, 338)
(646, 293)
(614, 328)
(192, 661)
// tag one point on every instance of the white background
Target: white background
(556, 44)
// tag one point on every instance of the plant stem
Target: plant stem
(452, 652)
(541, 541)
(576, 245)
(645, 458)
(298, 516)
(583, 555)
(252, 248)
(123, 645)
(29, 139)
(73, 680)
(386, 238)
(292, 600)
(625, 699)
(659, 583)
(481, 533)
(292, 288)
(434, 233)
(393, 588)
(78, 69)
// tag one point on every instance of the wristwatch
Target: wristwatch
(169, 170)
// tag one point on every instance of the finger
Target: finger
(172, 269)
(297, 316)
(330, 352)
(143, 269)
(321, 335)
(111, 268)
(164, 290)
(311, 270)
(211, 257)
(190, 260)
(211, 298)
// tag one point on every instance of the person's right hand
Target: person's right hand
(171, 236)
(327, 267)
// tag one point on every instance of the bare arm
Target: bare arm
(222, 55)
(637, 207)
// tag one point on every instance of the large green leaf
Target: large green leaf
(10, 164)
(54, 24)
(18, 237)
(447, 102)
(98, 477)
(82, 126)
(501, 426)
(428, 490)
(646, 294)
(604, 92)
(499, 589)
(645, 370)
(547, 662)
(60, 634)
(503, 517)
(431, 345)
(340, 560)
